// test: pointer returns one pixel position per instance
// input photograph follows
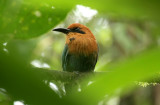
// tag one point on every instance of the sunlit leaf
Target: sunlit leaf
(27, 18)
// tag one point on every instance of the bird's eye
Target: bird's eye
(78, 30)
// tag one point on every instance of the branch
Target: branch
(64, 76)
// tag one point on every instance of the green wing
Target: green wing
(64, 57)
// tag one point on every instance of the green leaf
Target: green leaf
(124, 74)
(28, 19)
(135, 9)
(22, 83)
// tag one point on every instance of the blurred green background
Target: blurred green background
(128, 35)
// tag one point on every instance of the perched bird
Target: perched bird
(81, 50)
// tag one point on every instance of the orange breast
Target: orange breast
(81, 44)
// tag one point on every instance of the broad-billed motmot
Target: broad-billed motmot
(81, 49)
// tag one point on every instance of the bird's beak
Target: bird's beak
(63, 30)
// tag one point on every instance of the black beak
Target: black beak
(63, 30)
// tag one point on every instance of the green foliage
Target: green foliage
(137, 9)
(123, 75)
(28, 19)
(128, 48)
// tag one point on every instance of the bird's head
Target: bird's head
(76, 30)
(79, 39)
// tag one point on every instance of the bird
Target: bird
(80, 52)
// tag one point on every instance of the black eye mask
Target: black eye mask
(77, 29)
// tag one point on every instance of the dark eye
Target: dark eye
(78, 30)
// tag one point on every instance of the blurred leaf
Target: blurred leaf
(125, 73)
(137, 9)
(22, 83)
(29, 18)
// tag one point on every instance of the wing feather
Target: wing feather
(64, 57)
